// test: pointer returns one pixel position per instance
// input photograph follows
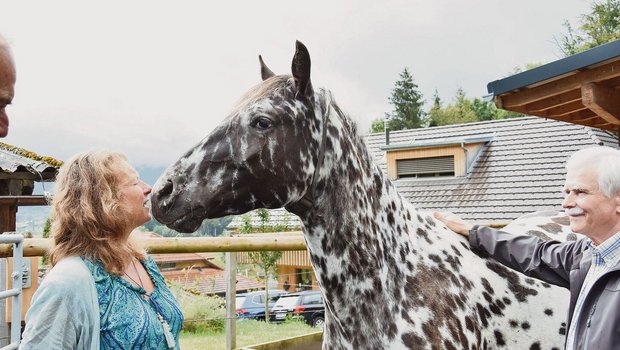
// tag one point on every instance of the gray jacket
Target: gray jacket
(565, 265)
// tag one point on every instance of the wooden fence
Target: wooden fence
(283, 241)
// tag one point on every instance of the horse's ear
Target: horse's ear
(265, 72)
(301, 70)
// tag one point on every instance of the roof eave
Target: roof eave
(428, 144)
(556, 69)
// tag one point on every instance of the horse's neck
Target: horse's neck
(354, 202)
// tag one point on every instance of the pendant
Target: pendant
(167, 333)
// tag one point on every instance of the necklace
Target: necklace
(141, 284)
(168, 336)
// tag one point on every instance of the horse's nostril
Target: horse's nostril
(166, 190)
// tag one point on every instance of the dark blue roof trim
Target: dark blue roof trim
(556, 68)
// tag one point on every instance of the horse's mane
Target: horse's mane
(260, 91)
(326, 101)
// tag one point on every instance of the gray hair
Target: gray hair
(602, 159)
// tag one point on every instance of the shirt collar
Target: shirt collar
(608, 252)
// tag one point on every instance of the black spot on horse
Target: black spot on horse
(487, 286)
(551, 227)
(521, 292)
(413, 341)
(499, 338)
(430, 221)
(422, 232)
(483, 315)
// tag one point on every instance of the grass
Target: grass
(248, 332)
(205, 324)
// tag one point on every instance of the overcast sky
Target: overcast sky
(152, 78)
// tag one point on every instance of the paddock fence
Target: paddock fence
(281, 241)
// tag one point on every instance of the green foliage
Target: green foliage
(265, 259)
(249, 332)
(600, 26)
(246, 224)
(465, 110)
(202, 313)
(47, 227)
(407, 102)
(378, 125)
(46, 234)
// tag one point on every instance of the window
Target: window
(425, 167)
(273, 297)
(304, 279)
(258, 299)
(313, 299)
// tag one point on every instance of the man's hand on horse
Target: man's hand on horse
(454, 222)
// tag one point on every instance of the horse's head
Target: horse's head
(262, 156)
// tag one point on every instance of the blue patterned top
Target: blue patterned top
(128, 320)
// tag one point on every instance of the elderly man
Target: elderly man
(589, 268)
(7, 84)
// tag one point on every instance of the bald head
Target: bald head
(7, 84)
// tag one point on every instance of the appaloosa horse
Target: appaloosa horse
(392, 276)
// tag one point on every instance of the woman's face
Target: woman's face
(134, 196)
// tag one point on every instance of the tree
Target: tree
(436, 113)
(455, 113)
(486, 110)
(598, 27)
(407, 101)
(378, 125)
(266, 260)
(465, 110)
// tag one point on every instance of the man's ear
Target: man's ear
(617, 202)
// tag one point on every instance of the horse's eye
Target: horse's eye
(261, 123)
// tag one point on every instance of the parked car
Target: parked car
(252, 305)
(307, 305)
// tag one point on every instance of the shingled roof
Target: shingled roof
(277, 217)
(26, 164)
(521, 170)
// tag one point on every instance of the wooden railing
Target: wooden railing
(279, 241)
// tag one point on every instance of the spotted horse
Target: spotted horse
(392, 276)
(546, 225)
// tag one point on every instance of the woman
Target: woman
(103, 292)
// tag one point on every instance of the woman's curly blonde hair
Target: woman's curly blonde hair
(88, 219)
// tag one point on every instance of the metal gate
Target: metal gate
(16, 282)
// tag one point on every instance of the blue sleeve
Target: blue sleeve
(62, 314)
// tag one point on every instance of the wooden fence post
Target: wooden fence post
(231, 293)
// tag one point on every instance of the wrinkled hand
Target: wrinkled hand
(453, 222)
